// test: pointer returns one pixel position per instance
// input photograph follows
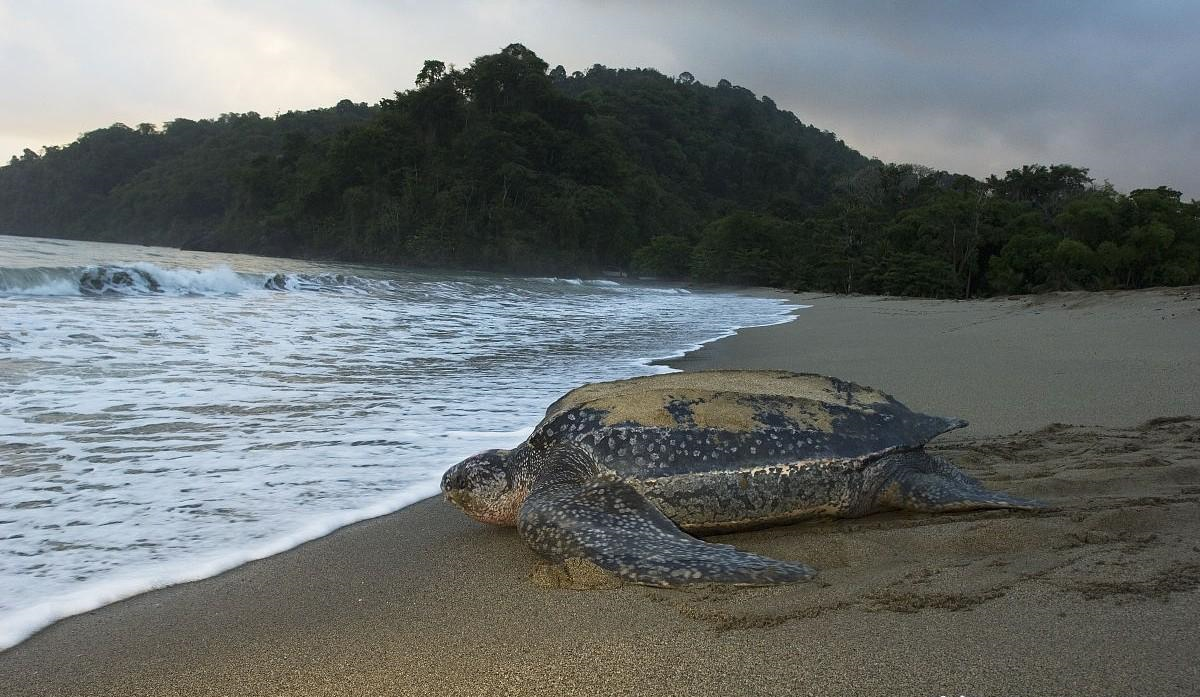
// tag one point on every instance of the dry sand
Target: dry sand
(1095, 596)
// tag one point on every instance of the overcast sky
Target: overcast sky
(972, 87)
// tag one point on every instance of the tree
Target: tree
(666, 256)
(745, 248)
(1047, 188)
(430, 73)
(1091, 218)
(513, 79)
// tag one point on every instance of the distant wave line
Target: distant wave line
(143, 278)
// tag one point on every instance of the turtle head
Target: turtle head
(487, 487)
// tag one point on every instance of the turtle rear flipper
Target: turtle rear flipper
(572, 513)
(930, 484)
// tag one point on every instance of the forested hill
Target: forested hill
(509, 165)
(501, 165)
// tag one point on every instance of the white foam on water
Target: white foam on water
(24, 622)
(150, 437)
(513, 438)
(218, 279)
(577, 281)
(60, 287)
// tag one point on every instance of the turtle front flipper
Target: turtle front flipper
(571, 512)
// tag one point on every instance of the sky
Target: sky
(970, 87)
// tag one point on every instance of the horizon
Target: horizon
(972, 91)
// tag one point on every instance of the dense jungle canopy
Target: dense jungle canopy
(509, 165)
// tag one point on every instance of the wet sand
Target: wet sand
(1097, 595)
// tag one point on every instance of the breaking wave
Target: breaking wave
(132, 279)
(577, 281)
(144, 278)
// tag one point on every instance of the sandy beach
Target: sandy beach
(1089, 402)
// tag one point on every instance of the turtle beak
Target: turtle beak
(457, 498)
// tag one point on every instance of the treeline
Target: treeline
(909, 230)
(508, 165)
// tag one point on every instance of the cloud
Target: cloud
(970, 87)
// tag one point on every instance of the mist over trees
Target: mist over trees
(509, 165)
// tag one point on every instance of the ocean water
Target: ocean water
(167, 415)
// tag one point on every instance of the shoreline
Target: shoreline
(668, 362)
(27, 622)
(1096, 596)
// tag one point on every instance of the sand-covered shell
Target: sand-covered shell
(694, 422)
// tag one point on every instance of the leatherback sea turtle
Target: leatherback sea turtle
(618, 473)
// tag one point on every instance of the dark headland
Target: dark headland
(1090, 402)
